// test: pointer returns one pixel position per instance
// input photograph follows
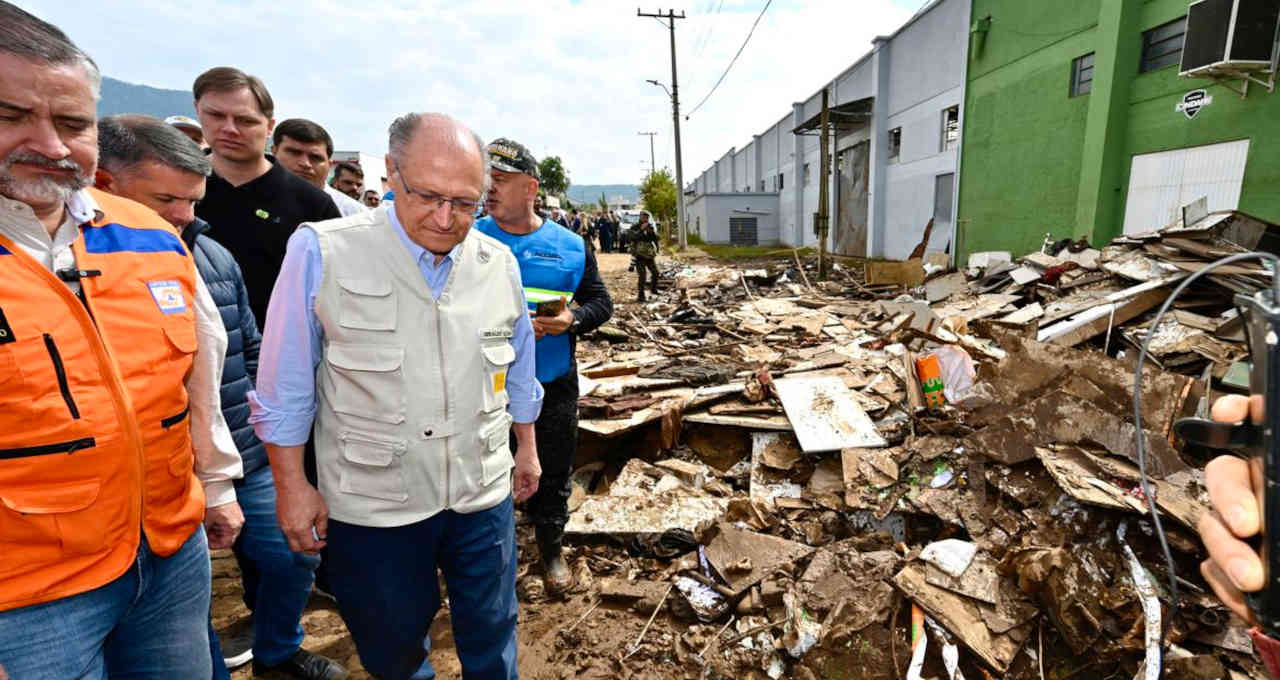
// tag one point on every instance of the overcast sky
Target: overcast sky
(563, 77)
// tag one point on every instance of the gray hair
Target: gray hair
(25, 36)
(125, 141)
(403, 129)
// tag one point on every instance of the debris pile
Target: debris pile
(786, 477)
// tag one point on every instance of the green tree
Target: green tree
(658, 193)
(554, 178)
(604, 203)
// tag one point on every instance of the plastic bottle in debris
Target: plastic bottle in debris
(930, 372)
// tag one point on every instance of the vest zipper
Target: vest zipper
(61, 370)
(47, 449)
(444, 382)
(176, 418)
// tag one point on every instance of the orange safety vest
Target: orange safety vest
(95, 441)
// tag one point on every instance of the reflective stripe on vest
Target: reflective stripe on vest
(552, 260)
(94, 440)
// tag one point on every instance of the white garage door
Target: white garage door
(1161, 183)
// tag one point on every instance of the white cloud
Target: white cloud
(563, 77)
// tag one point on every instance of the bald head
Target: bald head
(435, 133)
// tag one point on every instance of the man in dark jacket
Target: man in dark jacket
(143, 159)
(644, 247)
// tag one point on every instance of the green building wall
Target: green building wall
(1036, 160)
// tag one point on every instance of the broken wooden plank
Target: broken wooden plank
(1096, 321)
(772, 456)
(825, 415)
(776, 423)
(629, 515)
(755, 555)
(1025, 315)
(962, 617)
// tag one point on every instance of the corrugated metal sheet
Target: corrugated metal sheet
(1161, 183)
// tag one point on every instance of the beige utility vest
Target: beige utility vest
(411, 393)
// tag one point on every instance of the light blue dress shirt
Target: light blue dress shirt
(284, 403)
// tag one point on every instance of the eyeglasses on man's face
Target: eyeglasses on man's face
(459, 207)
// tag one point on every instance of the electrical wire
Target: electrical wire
(1147, 493)
(732, 61)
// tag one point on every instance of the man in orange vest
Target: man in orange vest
(112, 441)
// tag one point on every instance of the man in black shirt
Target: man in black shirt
(253, 204)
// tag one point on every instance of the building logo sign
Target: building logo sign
(1192, 102)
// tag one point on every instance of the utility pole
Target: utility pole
(653, 167)
(671, 17)
(823, 217)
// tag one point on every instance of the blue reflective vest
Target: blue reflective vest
(552, 261)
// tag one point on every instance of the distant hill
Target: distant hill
(590, 193)
(121, 97)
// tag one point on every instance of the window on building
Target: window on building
(895, 144)
(950, 128)
(943, 186)
(1162, 45)
(1082, 75)
(806, 174)
(780, 183)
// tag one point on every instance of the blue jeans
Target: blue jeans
(385, 582)
(277, 581)
(150, 623)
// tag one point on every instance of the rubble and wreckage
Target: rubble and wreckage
(801, 501)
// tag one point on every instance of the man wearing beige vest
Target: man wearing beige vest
(402, 334)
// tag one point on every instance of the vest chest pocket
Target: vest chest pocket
(498, 357)
(371, 466)
(368, 381)
(367, 304)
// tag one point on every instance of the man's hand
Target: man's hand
(303, 515)
(552, 325)
(1233, 568)
(528, 470)
(222, 523)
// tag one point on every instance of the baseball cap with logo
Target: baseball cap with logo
(510, 156)
(182, 122)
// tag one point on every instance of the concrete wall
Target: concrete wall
(711, 212)
(925, 75)
(1037, 160)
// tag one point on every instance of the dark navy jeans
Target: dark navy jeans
(148, 624)
(277, 581)
(385, 582)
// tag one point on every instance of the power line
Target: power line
(709, 31)
(732, 61)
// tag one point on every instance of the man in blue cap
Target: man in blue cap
(556, 268)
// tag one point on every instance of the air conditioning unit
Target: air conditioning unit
(1231, 38)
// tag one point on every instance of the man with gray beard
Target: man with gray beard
(112, 440)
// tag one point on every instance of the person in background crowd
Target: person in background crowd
(611, 225)
(253, 203)
(189, 127)
(371, 198)
(589, 232)
(644, 247)
(306, 149)
(348, 179)
(575, 222)
(555, 266)
(604, 229)
(116, 459)
(537, 207)
(408, 484)
(147, 161)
